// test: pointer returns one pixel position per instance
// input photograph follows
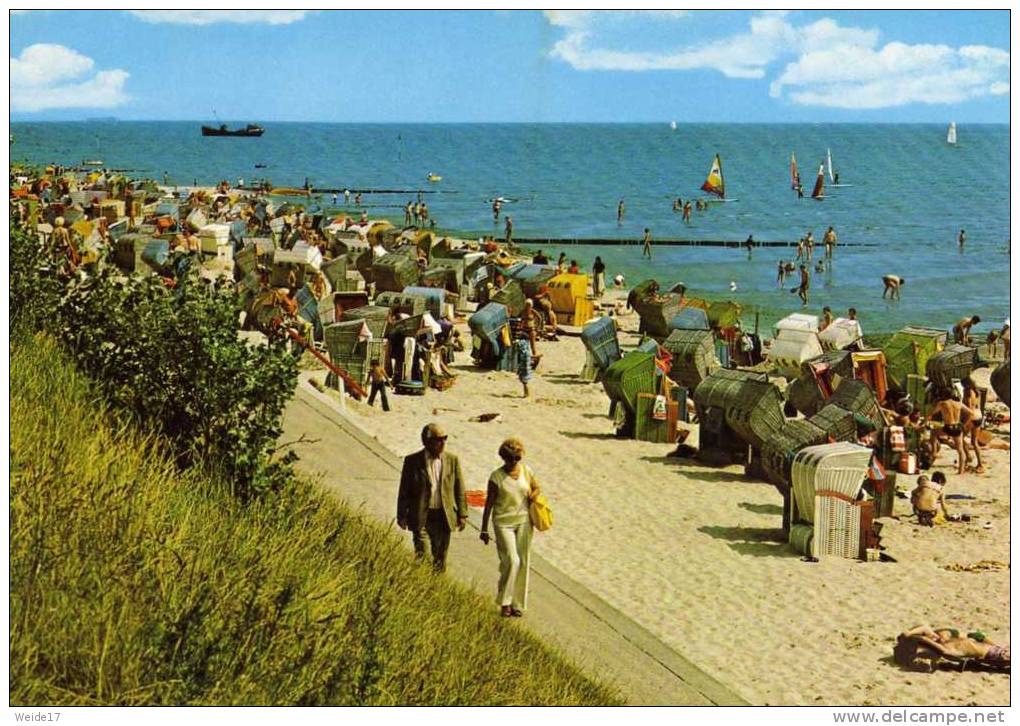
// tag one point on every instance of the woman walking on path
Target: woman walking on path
(511, 490)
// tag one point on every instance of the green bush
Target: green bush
(135, 584)
(171, 357)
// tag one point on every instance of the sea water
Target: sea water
(911, 194)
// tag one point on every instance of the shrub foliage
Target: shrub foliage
(169, 356)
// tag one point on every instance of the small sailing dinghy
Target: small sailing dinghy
(795, 175)
(819, 190)
(833, 177)
(951, 134)
(714, 184)
(672, 125)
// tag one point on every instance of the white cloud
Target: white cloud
(581, 19)
(864, 76)
(740, 56)
(208, 17)
(47, 76)
(835, 65)
(45, 63)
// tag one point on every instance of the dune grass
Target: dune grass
(133, 583)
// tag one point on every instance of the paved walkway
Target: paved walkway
(565, 614)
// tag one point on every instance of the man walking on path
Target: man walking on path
(647, 251)
(431, 500)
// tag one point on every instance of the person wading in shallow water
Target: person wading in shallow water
(647, 250)
(805, 285)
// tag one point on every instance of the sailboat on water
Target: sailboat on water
(795, 175)
(715, 184)
(833, 176)
(951, 134)
(819, 190)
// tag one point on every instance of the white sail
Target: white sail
(951, 135)
(672, 125)
(828, 163)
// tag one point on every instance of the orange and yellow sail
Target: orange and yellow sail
(714, 184)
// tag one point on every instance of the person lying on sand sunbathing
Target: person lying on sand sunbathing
(924, 642)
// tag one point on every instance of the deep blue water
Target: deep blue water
(911, 194)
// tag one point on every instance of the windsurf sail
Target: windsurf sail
(794, 173)
(828, 163)
(714, 184)
(819, 191)
(951, 134)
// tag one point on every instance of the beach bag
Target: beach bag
(539, 511)
(540, 514)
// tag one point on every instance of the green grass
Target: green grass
(135, 584)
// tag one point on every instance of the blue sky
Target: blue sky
(512, 66)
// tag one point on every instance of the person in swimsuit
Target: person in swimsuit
(955, 416)
(805, 285)
(829, 240)
(826, 318)
(892, 283)
(972, 400)
(972, 645)
(961, 331)
(928, 497)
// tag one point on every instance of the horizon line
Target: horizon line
(666, 122)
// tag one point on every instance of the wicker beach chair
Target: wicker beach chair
(953, 362)
(837, 422)
(1000, 382)
(600, 340)
(791, 348)
(694, 357)
(856, 397)
(751, 404)
(779, 449)
(826, 481)
(624, 379)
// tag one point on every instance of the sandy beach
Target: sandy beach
(697, 554)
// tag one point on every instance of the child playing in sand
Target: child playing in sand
(928, 497)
